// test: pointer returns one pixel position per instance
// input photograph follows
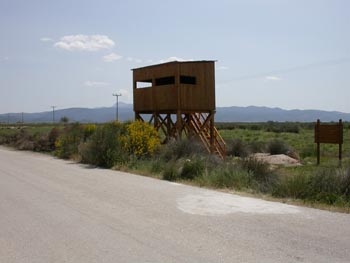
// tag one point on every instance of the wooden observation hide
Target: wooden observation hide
(179, 98)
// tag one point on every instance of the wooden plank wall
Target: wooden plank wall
(183, 97)
(199, 97)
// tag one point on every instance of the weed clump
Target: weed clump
(256, 146)
(177, 149)
(308, 150)
(277, 147)
(171, 172)
(226, 176)
(262, 177)
(181, 159)
(328, 185)
(237, 148)
(324, 185)
(192, 168)
(292, 186)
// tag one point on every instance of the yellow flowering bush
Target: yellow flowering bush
(141, 139)
(58, 143)
(89, 130)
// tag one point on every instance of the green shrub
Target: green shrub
(345, 183)
(242, 126)
(308, 150)
(255, 127)
(52, 137)
(192, 168)
(68, 142)
(256, 147)
(292, 128)
(171, 172)
(277, 127)
(277, 147)
(227, 176)
(263, 179)
(327, 185)
(324, 185)
(86, 153)
(184, 148)
(213, 161)
(104, 148)
(225, 125)
(256, 166)
(237, 148)
(157, 165)
(41, 142)
(22, 140)
(292, 186)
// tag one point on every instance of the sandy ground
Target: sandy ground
(278, 159)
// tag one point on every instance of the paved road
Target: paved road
(57, 211)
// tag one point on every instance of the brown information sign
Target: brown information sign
(329, 133)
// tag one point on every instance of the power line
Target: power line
(296, 68)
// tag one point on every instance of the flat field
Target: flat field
(298, 136)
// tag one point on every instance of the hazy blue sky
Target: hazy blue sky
(275, 53)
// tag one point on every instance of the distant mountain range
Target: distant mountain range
(223, 114)
(263, 114)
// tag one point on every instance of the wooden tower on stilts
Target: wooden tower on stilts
(179, 98)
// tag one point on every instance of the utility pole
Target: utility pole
(116, 106)
(53, 113)
(22, 118)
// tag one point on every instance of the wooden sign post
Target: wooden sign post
(329, 133)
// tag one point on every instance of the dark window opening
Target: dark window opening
(144, 84)
(188, 80)
(165, 81)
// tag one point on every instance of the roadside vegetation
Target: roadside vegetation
(136, 147)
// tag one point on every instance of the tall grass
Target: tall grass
(226, 176)
(329, 185)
